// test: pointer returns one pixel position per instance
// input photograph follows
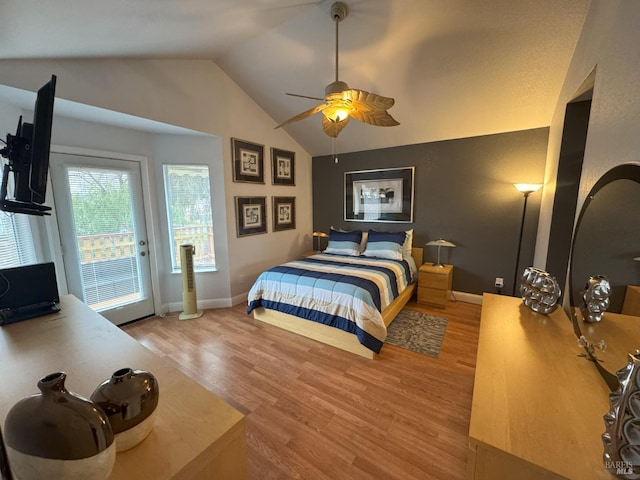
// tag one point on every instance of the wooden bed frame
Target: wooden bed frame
(331, 335)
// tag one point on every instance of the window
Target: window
(16, 241)
(188, 200)
(103, 206)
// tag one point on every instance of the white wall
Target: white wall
(8, 120)
(213, 288)
(196, 95)
(610, 42)
(70, 132)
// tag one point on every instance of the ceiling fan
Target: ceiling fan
(341, 102)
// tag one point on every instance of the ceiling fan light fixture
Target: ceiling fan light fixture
(342, 102)
(336, 113)
(338, 105)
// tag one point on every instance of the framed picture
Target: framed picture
(283, 166)
(248, 161)
(251, 215)
(284, 213)
(384, 195)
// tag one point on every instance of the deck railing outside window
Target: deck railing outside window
(98, 248)
(109, 268)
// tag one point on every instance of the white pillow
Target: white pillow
(408, 244)
(363, 243)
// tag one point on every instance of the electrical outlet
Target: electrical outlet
(499, 282)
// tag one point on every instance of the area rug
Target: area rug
(417, 332)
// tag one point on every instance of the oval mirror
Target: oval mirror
(606, 241)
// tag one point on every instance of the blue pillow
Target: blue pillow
(344, 243)
(385, 244)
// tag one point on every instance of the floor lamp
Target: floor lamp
(526, 189)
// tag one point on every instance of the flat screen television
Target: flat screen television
(28, 158)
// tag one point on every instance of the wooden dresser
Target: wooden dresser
(196, 435)
(537, 406)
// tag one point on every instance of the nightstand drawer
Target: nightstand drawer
(434, 280)
(434, 296)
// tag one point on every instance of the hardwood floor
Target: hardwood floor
(316, 412)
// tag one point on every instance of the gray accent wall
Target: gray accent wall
(464, 193)
(574, 138)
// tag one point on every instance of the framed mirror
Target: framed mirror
(606, 241)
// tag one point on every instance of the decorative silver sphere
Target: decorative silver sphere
(539, 290)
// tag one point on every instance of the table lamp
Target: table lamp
(316, 239)
(439, 243)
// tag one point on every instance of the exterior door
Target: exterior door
(99, 205)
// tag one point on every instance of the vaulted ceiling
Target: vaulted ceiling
(456, 68)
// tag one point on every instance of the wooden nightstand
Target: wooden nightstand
(631, 305)
(434, 284)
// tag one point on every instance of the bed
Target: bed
(343, 300)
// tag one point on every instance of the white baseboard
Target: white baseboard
(237, 299)
(202, 304)
(467, 297)
(208, 303)
(242, 298)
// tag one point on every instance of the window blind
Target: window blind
(102, 203)
(16, 241)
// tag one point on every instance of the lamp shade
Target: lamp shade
(440, 243)
(527, 187)
(320, 234)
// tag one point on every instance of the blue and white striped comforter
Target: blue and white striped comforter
(341, 291)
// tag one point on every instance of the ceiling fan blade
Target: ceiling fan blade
(333, 128)
(372, 100)
(379, 118)
(370, 108)
(303, 115)
(304, 96)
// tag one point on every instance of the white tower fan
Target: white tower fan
(189, 299)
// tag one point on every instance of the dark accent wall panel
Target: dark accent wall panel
(574, 139)
(464, 193)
